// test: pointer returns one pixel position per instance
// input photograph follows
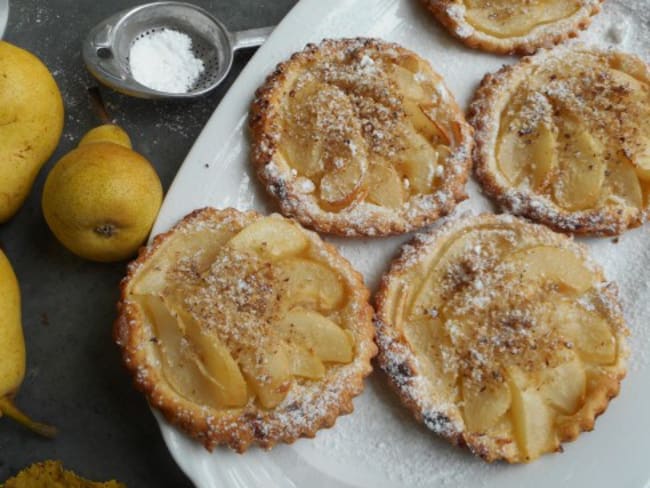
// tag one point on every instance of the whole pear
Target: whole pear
(101, 199)
(12, 349)
(31, 122)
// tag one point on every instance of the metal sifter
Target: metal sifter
(107, 46)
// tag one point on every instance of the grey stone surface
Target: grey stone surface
(75, 379)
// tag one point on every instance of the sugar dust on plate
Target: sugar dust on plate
(163, 60)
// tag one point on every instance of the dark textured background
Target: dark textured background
(75, 379)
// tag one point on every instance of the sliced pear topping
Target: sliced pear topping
(317, 334)
(180, 364)
(310, 283)
(203, 247)
(623, 183)
(429, 338)
(419, 163)
(301, 148)
(304, 363)
(504, 18)
(406, 83)
(590, 333)
(271, 237)
(551, 264)
(582, 169)
(385, 186)
(303, 153)
(531, 417)
(531, 156)
(564, 386)
(428, 299)
(484, 405)
(343, 185)
(215, 358)
(268, 373)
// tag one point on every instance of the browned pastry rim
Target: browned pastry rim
(398, 359)
(359, 218)
(239, 428)
(450, 13)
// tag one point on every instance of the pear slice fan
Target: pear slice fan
(501, 335)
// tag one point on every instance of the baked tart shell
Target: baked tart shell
(358, 218)
(408, 379)
(239, 428)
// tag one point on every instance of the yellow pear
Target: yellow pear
(12, 349)
(101, 199)
(107, 133)
(31, 122)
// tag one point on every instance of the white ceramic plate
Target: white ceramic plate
(379, 445)
(4, 16)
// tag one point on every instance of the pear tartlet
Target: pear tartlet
(360, 137)
(245, 329)
(501, 335)
(514, 26)
(563, 138)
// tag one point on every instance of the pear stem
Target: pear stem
(99, 106)
(10, 410)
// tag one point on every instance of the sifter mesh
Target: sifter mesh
(210, 40)
(201, 49)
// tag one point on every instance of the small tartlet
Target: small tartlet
(514, 27)
(501, 336)
(245, 329)
(562, 138)
(360, 137)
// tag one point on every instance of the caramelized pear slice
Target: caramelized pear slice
(385, 186)
(344, 184)
(304, 153)
(180, 365)
(641, 160)
(272, 238)
(406, 83)
(310, 283)
(203, 247)
(431, 341)
(317, 334)
(531, 417)
(268, 373)
(484, 404)
(590, 333)
(304, 363)
(551, 264)
(215, 358)
(623, 182)
(504, 18)
(564, 386)
(422, 117)
(427, 299)
(531, 156)
(580, 180)
(419, 163)
(302, 149)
